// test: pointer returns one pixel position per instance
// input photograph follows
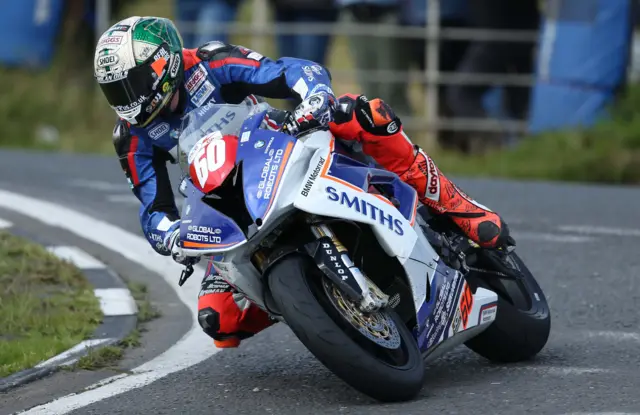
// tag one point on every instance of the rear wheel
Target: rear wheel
(523, 320)
(374, 353)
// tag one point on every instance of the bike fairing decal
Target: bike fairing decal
(332, 171)
(490, 310)
(205, 228)
(436, 315)
(466, 305)
(365, 208)
(263, 169)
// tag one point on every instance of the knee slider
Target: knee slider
(209, 320)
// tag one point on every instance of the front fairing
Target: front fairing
(203, 228)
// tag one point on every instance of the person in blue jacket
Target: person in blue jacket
(150, 81)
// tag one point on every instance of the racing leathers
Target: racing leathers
(223, 73)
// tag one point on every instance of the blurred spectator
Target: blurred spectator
(379, 53)
(305, 46)
(497, 57)
(200, 21)
(78, 33)
(453, 14)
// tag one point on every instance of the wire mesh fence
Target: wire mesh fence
(430, 79)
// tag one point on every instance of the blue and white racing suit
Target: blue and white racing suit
(214, 73)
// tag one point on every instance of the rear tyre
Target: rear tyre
(523, 320)
(380, 358)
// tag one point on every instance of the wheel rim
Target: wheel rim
(376, 333)
(377, 327)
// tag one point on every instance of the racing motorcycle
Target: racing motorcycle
(344, 254)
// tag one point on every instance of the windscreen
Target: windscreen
(212, 119)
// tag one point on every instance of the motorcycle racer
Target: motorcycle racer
(150, 81)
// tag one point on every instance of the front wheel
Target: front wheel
(375, 354)
(523, 321)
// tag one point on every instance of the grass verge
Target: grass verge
(46, 305)
(107, 357)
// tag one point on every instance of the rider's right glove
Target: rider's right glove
(172, 244)
(314, 112)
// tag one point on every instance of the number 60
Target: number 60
(209, 159)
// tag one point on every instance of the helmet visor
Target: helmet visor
(138, 94)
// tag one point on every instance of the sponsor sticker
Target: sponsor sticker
(487, 313)
(154, 103)
(112, 76)
(365, 208)
(466, 304)
(269, 174)
(433, 186)
(107, 60)
(131, 106)
(196, 79)
(110, 40)
(202, 94)
(204, 234)
(445, 304)
(312, 177)
(119, 28)
(455, 326)
(175, 65)
(162, 53)
(159, 130)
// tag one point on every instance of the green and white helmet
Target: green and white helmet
(139, 66)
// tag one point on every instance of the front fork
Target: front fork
(333, 259)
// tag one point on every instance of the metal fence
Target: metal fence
(260, 27)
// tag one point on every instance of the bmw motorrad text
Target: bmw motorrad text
(312, 178)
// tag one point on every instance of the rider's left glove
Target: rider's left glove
(172, 244)
(314, 112)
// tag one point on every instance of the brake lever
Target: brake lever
(186, 273)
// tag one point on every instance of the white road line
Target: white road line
(116, 301)
(602, 413)
(614, 335)
(600, 230)
(4, 224)
(551, 237)
(98, 185)
(565, 371)
(191, 349)
(66, 356)
(76, 256)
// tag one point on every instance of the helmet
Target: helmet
(139, 66)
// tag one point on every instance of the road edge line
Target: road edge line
(188, 351)
(119, 313)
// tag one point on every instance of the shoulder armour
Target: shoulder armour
(122, 138)
(207, 51)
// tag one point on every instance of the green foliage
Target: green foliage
(609, 152)
(46, 305)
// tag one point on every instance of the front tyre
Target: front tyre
(523, 320)
(375, 354)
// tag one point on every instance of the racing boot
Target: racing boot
(225, 314)
(379, 130)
